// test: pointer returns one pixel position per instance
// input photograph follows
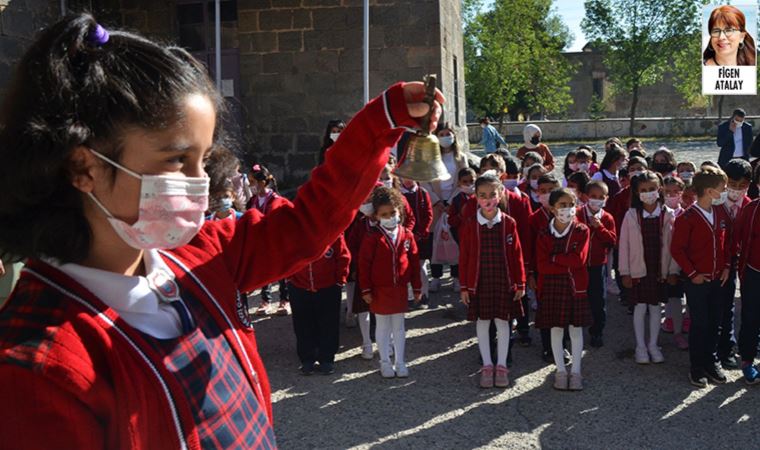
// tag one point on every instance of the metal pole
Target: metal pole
(366, 51)
(63, 8)
(218, 43)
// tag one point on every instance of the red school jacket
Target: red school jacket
(386, 266)
(68, 358)
(618, 205)
(537, 221)
(747, 238)
(329, 270)
(422, 210)
(602, 238)
(469, 254)
(572, 261)
(701, 248)
(518, 208)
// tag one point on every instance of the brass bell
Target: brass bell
(421, 159)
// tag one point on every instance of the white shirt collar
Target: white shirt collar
(404, 190)
(609, 174)
(490, 223)
(556, 233)
(655, 213)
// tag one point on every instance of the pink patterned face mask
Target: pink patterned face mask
(171, 210)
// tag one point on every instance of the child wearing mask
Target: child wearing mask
(532, 143)
(675, 320)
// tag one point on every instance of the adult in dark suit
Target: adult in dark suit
(734, 138)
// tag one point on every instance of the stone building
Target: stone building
(288, 66)
(659, 100)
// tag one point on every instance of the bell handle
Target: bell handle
(430, 82)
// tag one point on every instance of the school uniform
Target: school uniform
(610, 179)
(601, 240)
(747, 247)
(99, 382)
(491, 267)
(388, 262)
(618, 206)
(701, 246)
(315, 302)
(266, 204)
(517, 207)
(359, 229)
(727, 337)
(460, 209)
(563, 281)
(422, 208)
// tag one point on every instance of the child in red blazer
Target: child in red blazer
(388, 262)
(316, 294)
(603, 238)
(265, 200)
(492, 276)
(701, 247)
(419, 201)
(562, 253)
(461, 200)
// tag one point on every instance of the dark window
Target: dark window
(599, 87)
(456, 91)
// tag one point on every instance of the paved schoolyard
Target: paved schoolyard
(440, 405)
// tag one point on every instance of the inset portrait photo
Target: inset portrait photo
(729, 49)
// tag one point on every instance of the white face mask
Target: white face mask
(367, 209)
(468, 189)
(391, 222)
(739, 123)
(446, 141)
(635, 174)
(584, 167)
(171, 210)
(388, 183)
(673, 201)
(735, 195)
(334, 136)
(595, 204)
(686, 176)
(649, 198)
(720, 200)
(565, 215)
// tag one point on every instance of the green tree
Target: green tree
(596, 108)
(639, 38)
(513, 58)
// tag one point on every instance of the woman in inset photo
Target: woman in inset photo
(730, 44)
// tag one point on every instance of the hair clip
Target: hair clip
(256, 168)
(98, 36)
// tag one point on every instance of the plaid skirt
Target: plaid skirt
(649, 290)
(558, 305)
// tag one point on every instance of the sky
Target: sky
(572, 13)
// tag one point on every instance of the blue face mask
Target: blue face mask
(225, 204)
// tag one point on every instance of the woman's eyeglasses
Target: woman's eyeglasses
(715, 32)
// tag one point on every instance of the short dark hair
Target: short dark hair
(708, 178)
(558, 194)
(738, 169)
(534, 156)
(597, 184)
(637, 160)
(739, 112)
(670, 180)
(512, 165)
(69, 91)
(548, 179)
(464, 172)
(493, 161)
(581, 179)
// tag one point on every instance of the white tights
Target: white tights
(484, 341)
(639, 313)
(576, 343)
(363, 319)
(390, 326)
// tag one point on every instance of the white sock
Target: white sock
(425, 280)
(484, 340)
(502, 341)
(399, 337)
(363, 319)
(576, 345)
(383, 325)
(639, 313)
(350, 291)
(676, 313)
(655, 320)
(557, 335)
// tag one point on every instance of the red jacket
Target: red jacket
(469, 254)
(76, 376)
(327, 271)
(745, 201)
(537, 221)
(359, 228)
(409, 218)
(572, 261)
(462, 207)
(701, 248)
(383, 264)
(422, 209)
(602, 238)
(747, 238)
(618, 205)
(517, 207)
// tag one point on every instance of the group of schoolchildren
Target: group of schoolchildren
(535, 248)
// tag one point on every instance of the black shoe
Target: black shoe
(597, 342)
(307, 369)
(698, 378)
(715, 374)
(326, 368)
(729, 362)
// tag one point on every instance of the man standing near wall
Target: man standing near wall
(734, 138)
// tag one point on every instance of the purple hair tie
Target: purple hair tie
(98, 36)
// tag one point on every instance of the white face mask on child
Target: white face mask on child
(565, 215)
(171, 210)
(596, 204)
(649, 198)
(391, 222)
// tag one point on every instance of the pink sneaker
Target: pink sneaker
(686, 324)
(681, 342)
(486, 377)
(667, 325)
(502, 377)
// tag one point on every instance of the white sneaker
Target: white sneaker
(386, 370)
(656, 355)
(402, 371)
(455, 286)
(435, 285)
(642, 355)
(367, 352)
